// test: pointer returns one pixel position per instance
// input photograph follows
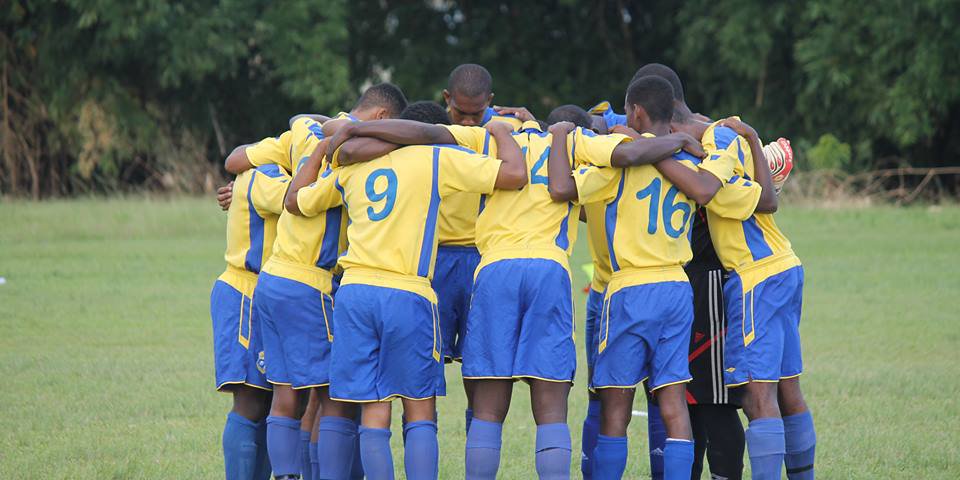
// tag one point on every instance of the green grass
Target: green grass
(107, 363)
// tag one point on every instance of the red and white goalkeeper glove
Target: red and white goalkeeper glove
(779, 156)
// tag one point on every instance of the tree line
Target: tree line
(113, 95)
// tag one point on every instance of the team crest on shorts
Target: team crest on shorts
(261, 365)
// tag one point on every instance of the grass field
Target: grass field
(106, 348)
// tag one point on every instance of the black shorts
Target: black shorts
(707, 340)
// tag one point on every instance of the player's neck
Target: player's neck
(660, 129)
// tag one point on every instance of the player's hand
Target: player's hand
(497, 127)
(691, 145)
(779, 156)
(739, 126)
(521, 113)
(561, 128)
(625, 130)
(225, 196)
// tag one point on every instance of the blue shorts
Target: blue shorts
(763, 328)
(388, 345)
(237, 344)
(453, 282)
(644, 333)
(594, 309)
(296, 320)
(521, 322)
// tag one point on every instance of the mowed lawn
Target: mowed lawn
(105, 350)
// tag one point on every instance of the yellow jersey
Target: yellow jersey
(459, 212)
(252, 222)
(527, 223)
(740, 236)
(597, 243)
(306, 248)
(648, 219)
(393, 203)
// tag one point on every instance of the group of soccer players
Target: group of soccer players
(365, 250)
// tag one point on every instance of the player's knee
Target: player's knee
(790, 398)
(760, 400)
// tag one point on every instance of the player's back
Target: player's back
(740, 242)
(252, 217)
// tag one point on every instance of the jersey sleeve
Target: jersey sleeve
(477, 139)
(465, 171)
(596, 184)
(272, 150)
(268, 187)
(321, 195)
(304, 127)
(722, 163)
(588, 148)
(737, 199)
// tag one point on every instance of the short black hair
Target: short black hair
(470, 80)
(427, 112)
(664, 72)
(386, 95)
(570, 113)
(655, 95)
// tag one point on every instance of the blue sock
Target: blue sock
(765, 446)
(263, 469)
(553, 451)
(305, 472)
(421, 456)
(483, 450)
(800, 440)
(677, 459)
(283, 445)
(314, 462)
(239, 446)
(375, 453)
(657, 439)
(468, 417)
(591, 427)
(609, 457)
(338, 437)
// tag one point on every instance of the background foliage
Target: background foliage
(107, 95)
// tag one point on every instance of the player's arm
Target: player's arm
(560, 183)
(399, 132)
(316, 117)
(268, 188)
(698, 185)
(513, 171)
(238, 162)
(761, 168)
(305, 176)
(648, 150)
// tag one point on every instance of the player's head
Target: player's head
(570, 113)
(427, 112)
(664, 72)
(649, 103)
(383, 100)
(468, 94)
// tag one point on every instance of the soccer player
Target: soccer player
(648, 302)
(238, 353)
(520, 324)
(763, 296)
(388, 344)
(293, 295)
(469, 91)
(593, 213)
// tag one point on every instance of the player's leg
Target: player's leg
(591, 424)
(336, 438)
(699, 428)
(283, 432)
(656, 436)
(421, 454)
(549, 402)
(491, 402)
(242, 431)
(610, 454)
(800, 438)
(307, 421)
(678, 448)
(375, 441)
(724, 439)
